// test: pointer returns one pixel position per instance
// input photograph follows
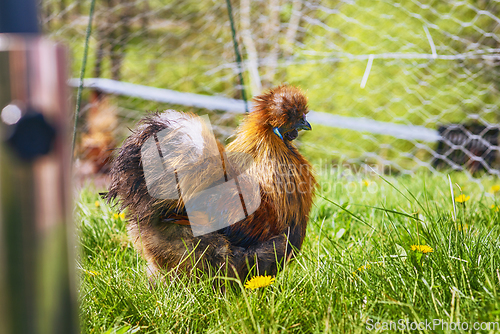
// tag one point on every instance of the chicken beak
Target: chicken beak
(303, 125)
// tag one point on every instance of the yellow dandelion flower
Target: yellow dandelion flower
(92, 273)
(115, 216)
(422, 248)
(362, 268)
(122, 216)
(259, 282)
(495, 207)
(462, 199)
(464, 227)
(495, 188)
(97, 204)
(366, 183)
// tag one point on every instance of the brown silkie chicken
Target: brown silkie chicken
(263, 153)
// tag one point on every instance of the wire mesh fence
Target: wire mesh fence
(388, 70)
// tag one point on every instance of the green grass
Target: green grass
(356, 266)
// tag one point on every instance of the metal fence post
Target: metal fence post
(37, 283)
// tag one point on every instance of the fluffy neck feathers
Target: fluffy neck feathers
(284, 175)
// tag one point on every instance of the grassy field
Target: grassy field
(357, 267)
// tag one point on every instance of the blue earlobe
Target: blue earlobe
(277, 132)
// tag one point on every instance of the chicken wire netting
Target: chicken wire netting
(389, 70)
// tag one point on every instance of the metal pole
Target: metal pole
(37, 283)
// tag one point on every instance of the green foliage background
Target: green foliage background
(187, 46)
